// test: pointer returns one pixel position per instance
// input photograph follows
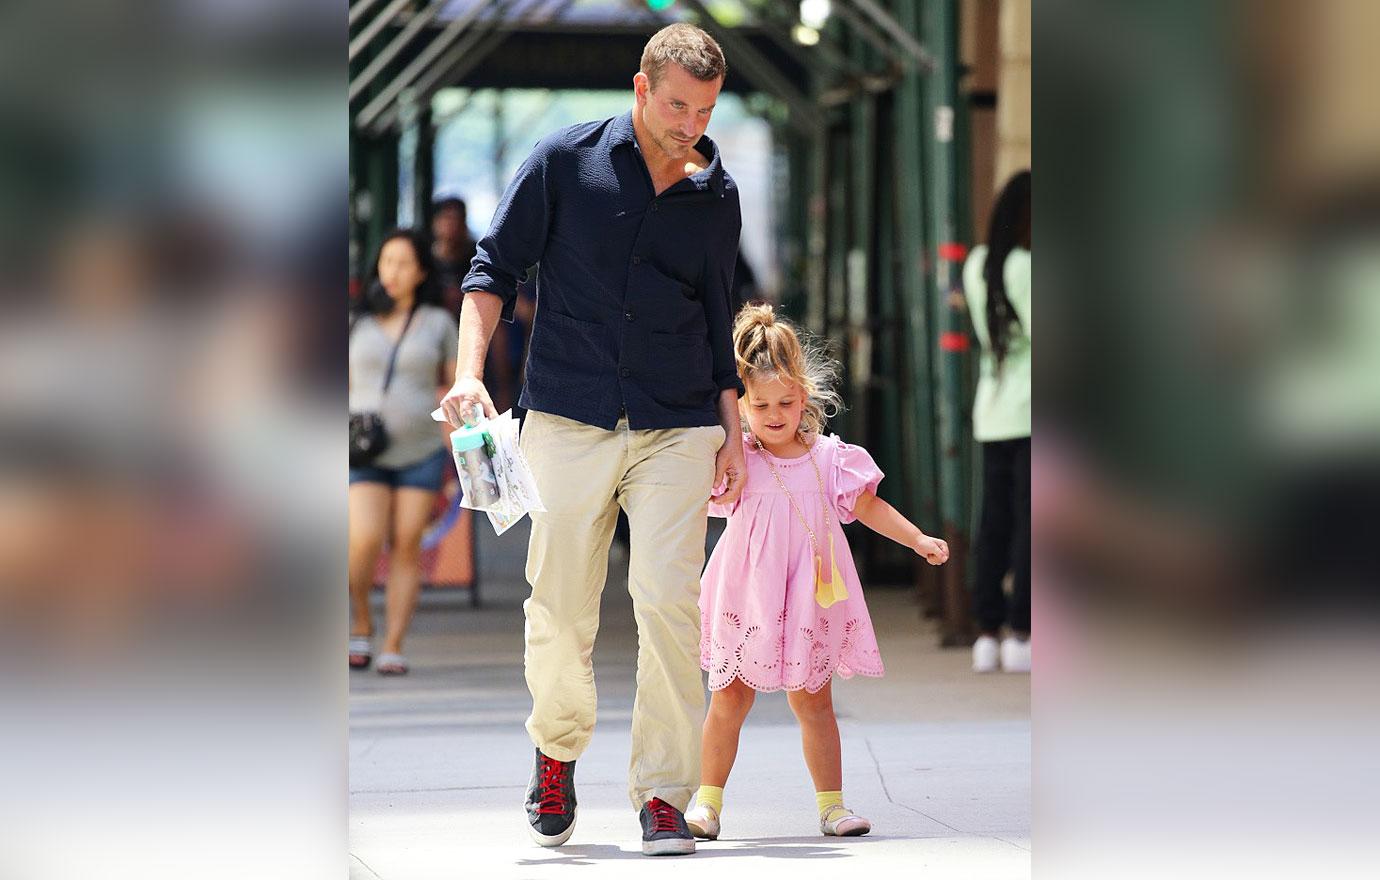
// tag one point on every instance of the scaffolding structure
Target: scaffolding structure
(874, 224)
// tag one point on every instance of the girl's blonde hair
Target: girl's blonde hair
(767, 346)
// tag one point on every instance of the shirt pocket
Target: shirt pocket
(568, 357)
(683, 375)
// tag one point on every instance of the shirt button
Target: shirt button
(624, 372)
(628, 316)
(653, 207)
(637, 261)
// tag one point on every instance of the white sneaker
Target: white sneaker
(1015, 655)
(703, 822)
(839, 821)
(985, 654)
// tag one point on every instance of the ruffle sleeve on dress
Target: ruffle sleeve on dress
(854, 473)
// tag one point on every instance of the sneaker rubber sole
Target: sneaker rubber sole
(668, 846)
(554, 839)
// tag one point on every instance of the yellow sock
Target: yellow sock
(711, 796)
(827, 799)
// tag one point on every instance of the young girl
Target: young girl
(780, 603)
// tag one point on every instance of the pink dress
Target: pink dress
(759, 620)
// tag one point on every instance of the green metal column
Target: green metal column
(918, 410)
(946, 299)
(836, 204)
(890, 352)
(858, 271)
(356, 221)
(416, 148)
(794, 202)
(816, 219)
(878, 430)
(381, 183)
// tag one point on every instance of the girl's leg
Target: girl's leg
(819, 735)
(411, 512)
(370, 504)
(728, 708)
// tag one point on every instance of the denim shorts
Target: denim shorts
(429, 473)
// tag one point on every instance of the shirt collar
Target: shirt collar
(712, 177)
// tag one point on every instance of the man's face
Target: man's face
(676, 112)
(447, 225)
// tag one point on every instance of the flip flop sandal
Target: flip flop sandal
(361, 652)
(391, 664)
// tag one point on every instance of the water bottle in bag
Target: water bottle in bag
(469, 447)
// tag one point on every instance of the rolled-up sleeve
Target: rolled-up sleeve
(718, 302)
(517, 236)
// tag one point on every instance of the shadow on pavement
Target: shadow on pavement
(767, 847)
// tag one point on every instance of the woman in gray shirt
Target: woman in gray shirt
(391, 499)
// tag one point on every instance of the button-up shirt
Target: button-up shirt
(634, 290)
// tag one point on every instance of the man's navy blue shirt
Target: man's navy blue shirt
(634, 302)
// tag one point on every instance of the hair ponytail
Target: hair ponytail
(765, 345)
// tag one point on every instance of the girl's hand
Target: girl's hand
(935, 551)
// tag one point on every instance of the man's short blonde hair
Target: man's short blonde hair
(687, 46)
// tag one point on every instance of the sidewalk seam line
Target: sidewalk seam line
(886, 791)
(366, 866)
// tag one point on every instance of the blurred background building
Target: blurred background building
(868, 138)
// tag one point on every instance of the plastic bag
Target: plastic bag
(517, 489)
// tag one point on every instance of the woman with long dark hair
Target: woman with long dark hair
(402, 354)
(996, 281)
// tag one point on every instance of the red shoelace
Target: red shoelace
(552, 786)
(663, 816)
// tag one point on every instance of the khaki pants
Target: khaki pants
(662, 479)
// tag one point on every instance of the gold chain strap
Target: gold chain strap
(810, 453)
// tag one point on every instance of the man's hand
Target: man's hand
(462, 396)
(729, 466)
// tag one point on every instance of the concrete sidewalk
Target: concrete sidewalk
(937, 757)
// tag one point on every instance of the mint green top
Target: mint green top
(1001, 409)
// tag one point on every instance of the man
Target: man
(633, 397)
(452, 248)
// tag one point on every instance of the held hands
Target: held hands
(935, 551)
(465, 393)
(730, 469)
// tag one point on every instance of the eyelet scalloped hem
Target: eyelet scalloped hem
(856, 654)
(737, 675)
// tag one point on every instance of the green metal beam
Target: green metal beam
(759, 69)
(360, 8)
(375, 26)
(482, 40)
(901, 33)
(420, 19)
(417, 66)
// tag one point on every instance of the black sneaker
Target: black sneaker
(551, 801)
(664, 832)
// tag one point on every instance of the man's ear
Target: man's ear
(642, 86)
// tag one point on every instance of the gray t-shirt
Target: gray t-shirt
(429, 345)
